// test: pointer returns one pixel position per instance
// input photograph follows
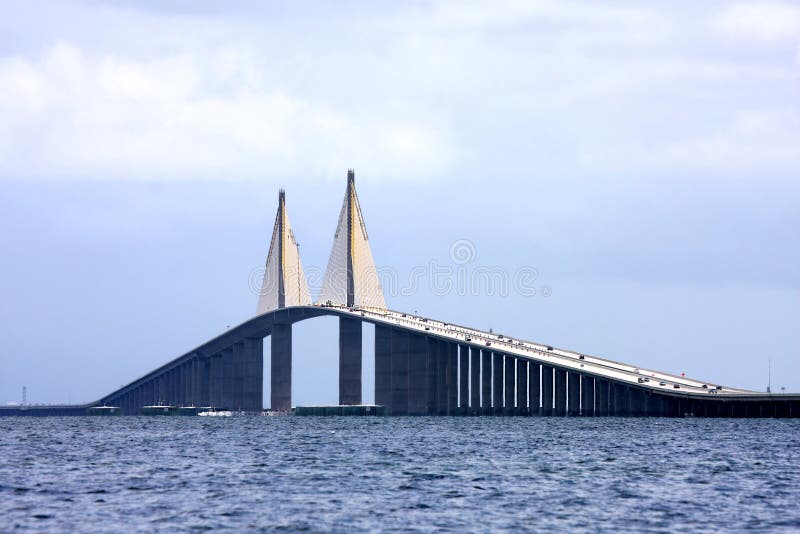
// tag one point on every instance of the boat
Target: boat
(214, 413)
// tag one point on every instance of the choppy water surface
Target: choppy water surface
(309, 473)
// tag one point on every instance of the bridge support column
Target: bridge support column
(417, 375)
(497, 383)
(574, 394)
(433, 376)
(622, 402)
(452, 378)
(178, 395)
(188, 383)
(183, 377)
(463, 379)
(215, 373)
(509, 366)
(587, 396)
(383, 365)
(349, 361)
(486, 382)
(176, 385)
(169, 386)
(399, 359)
(561, 392)
(441, 378)
(239, 373)
(601, 397)
(671, 407)
(226, 361)
(654, 404)
(534, 388)
(475, 380)
(281, 367)
(547, 390)
(253, 363)
(523, 407)
(195, 370)
(637, 401)
(724, 409)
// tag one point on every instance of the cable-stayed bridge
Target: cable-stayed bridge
(422, 366)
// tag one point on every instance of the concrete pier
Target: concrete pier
(486, 381)
(497, 383)
(534, 388)
(561, 392)
(522, 387)
(239, 372)
(573, 394)
(601, 397)
(399, 360)
(587, 396)
(622, 402)
(252, 390)
(350, 335)
(383, 365)
(418, 381)
(510, 387)
(463, 379)
(547, 390)
(475, 380)
(452, 378)
(433, 376)
(281, 367)
(441, 378)
(215, 369)
(637, 402)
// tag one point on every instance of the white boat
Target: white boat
(215, 413)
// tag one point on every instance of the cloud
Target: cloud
(441, 90)
(761, 21)
(69, 114)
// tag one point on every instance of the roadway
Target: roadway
(541, 353)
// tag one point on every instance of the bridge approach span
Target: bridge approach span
(429, 367)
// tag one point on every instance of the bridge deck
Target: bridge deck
(541, 353)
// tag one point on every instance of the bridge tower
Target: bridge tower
(284, 282)
(351, 280)
(284, 285)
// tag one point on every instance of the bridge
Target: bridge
(422, 366)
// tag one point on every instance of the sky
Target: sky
(617, 178)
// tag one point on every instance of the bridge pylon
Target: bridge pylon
(351, 280)
(284, 282)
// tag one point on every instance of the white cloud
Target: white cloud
(439, 90)
(70, 114)
(761, 21)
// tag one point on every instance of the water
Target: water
(345, 474)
